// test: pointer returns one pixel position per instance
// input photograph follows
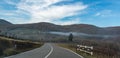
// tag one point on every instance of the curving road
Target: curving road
(48, 50)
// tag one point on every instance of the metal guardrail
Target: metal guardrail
(86, 49)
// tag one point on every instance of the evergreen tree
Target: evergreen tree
(70, 38)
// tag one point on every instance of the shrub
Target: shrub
(1, 51)
(9, 52)
(4, 43)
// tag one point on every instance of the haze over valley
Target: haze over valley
(48, 31)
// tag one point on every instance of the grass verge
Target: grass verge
(10, 46)
(72, 47)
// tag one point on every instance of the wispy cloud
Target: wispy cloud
(105, 13)
(46, 11)
(10, 2)
(33, 11)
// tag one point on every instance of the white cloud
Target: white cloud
(45, 11)
(16, 16)
(10, 2)
(105, 13)
(98, 14)
(16, 20)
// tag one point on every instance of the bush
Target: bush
(1, 51)
(9, 52)
(5, 43)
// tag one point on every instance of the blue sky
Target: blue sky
(103, 13)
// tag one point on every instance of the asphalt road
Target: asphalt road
(48, 50)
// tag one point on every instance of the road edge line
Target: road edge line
(49, 52)
(72, 52)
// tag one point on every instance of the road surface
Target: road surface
(48, 50)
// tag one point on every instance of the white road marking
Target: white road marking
(49, 52)
(72, 52)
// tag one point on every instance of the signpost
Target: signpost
(86, 49)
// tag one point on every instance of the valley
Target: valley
(105, 40)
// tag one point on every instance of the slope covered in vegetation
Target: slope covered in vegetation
(10, 46)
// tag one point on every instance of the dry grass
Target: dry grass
(7, 45)
(71, 47)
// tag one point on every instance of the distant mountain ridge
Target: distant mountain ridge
(45, 31)
(3, 22)
(45, 26)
